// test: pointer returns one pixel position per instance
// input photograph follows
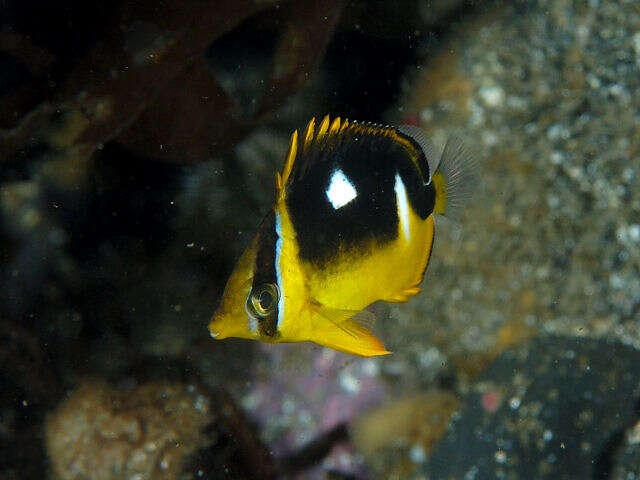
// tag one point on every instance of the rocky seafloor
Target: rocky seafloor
(520, 358)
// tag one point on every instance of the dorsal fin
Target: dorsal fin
(307, 148)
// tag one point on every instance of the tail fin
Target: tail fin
(455, 179)
(455, 174)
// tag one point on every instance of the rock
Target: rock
(411, 426)
(551, 238)
(100, 432)
(551, 408)
(627, 461)
(419, 419)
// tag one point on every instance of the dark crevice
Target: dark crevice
(606, 460)
(366, 86)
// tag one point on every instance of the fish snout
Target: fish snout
(225, 324)
(216, 326)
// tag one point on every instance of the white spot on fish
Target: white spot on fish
(279, 269)
(403, 206)
(341, 191)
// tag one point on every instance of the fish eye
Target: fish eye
(263, 299)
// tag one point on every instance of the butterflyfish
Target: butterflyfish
(353, 223)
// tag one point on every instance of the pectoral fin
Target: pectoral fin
(343, 330)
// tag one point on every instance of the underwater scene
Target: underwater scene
(320, 239)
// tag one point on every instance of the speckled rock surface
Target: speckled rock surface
(548, 409)
(547, 95)
(149, 431)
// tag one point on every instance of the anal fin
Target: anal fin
(403, 295)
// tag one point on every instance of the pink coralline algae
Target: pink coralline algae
(310, 390)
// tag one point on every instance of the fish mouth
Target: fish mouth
(223, 325)
(233, 324)
(215, 331)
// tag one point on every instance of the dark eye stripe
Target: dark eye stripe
(265, 269)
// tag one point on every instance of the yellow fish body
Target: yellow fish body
(352, 224)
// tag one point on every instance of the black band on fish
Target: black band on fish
(264, 288)
(345, 175)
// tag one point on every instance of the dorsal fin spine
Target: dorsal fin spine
(324, 126)
(335, 126)
(288, 164)
(308, 136)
